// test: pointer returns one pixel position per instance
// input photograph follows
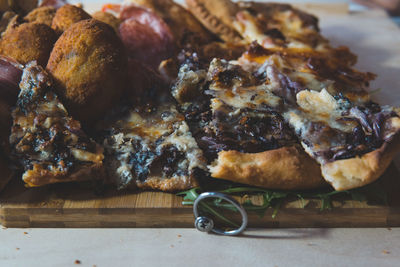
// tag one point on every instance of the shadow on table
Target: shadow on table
(286, 233)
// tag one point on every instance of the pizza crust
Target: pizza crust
(173, 184)
(286, 168)
(216, 16)
(39, 176)
(359, 171)
(179, 19)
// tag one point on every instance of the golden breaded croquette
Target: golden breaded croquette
(88, 64)
(6, 19)
(108, 18)
(27, 41)
(66, 16)
(4, 6)
(21, 7)
(42, 15)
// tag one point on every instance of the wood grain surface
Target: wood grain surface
(72, 205)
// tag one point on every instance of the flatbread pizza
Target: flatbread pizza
(246, 92)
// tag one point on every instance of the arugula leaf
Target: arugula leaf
(274, 198)
(210, 210)
(303, 201)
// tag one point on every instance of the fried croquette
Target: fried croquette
(21, 7)
(27, 42)
(42, 15)
(6, 19)
(66, 16)
(4, 6)
(88, 64)
(108, 18)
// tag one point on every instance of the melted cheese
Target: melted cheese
(323, 107)
(183, 140)
(321, 103)
(254, 97)
(83, 155)
(239, 96)
(246, 24)
(298, 122)
(151, 125)
(151, 133)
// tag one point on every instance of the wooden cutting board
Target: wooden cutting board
(70, 205)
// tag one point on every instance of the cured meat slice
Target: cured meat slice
(54, 3)
(146, 36)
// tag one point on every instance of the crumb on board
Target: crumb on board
(77, 262)
(179, 235)
(385, 251)
(16, 248)
(25, 233)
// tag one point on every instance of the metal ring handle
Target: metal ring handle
(205, 224)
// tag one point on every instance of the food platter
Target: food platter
(67, 205)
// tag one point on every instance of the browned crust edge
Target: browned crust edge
(39, 176)
(202, 11)
(173, 184)
(356, 172)
(180, 20)
(286, 168)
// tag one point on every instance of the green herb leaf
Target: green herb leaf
(274, 198)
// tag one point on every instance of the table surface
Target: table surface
(371, 35)
(188, 247)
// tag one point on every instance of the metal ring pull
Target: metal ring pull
(205, 224)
